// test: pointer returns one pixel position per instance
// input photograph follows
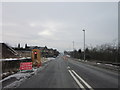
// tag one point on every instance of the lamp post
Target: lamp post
(73, 49)
(84, 44)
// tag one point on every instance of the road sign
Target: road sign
(26, 66)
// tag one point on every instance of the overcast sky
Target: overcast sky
(57, 25)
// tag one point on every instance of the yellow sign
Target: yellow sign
(36, 57)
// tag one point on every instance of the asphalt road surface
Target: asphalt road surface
(66, 73)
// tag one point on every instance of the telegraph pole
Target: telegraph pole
(73, 45)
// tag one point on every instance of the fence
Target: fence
(10, 66)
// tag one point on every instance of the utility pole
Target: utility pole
(84, 44)
(73, 45)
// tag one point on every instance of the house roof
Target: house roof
(9, 48)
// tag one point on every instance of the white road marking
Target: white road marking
(82, 80)
(80, 85)
(68, 67)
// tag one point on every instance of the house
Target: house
(45, 52)
(7, 52)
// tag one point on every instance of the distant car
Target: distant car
(68, 55)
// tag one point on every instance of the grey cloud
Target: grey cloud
(61, 23)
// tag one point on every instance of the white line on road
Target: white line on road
(68, 67)
(82, 80)
(80, 85)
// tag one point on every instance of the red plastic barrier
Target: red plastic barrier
(26, 66)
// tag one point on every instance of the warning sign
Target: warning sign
(26, 66)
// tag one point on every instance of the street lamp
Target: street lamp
(73, 49)
(84, 44)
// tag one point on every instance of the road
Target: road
(61, 73)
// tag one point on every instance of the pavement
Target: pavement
(67, 73)
(14, 80)
(109, 66)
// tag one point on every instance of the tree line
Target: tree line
(103, 53)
